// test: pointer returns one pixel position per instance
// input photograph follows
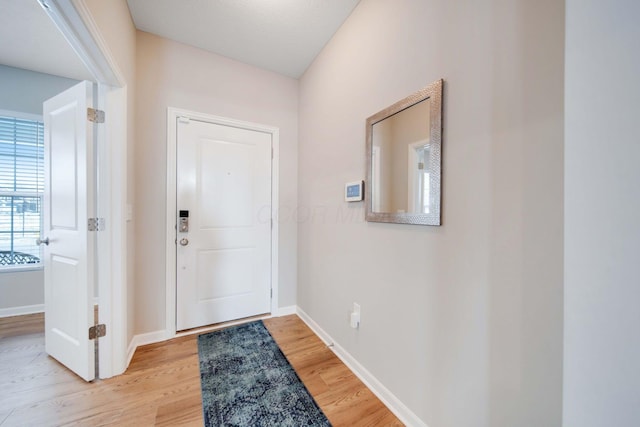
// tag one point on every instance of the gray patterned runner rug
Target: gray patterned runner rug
(247, 381)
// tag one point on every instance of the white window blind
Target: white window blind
(21, 189)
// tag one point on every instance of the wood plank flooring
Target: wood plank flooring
(162, 385)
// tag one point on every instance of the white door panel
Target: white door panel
(69, 257)
(64, 146)
(224, 167)
(224, 182)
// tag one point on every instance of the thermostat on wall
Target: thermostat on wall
(353, 191)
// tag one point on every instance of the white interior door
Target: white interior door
(224, 257)
(69, 254)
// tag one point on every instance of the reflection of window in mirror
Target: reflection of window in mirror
(419, 191)
(426, 193)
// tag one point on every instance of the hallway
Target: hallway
(162, 385)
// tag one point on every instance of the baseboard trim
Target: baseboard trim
(144, 339)
(22, 310)
(389, 399)
(286, 311)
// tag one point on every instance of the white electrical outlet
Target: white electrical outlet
(354, 320)
(356, 307)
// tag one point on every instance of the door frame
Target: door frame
(76, 24)
(171, 249)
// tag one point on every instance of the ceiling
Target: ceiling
(30, 40)
(283, 36)
(279, 35)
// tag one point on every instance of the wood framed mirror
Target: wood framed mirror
(404, 159)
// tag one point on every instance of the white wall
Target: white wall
(24, 91)
(602, 208)
(462, 322)
(171, 74)
(20, 291)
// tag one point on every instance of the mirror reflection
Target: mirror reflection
(400, 161)
(403, 160)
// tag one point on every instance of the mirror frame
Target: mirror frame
(434, 93)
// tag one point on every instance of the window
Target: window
(419, 178)
(21, 189)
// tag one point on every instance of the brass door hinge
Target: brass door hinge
(95, 116)
(97, 331)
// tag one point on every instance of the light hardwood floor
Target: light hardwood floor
(162, 385)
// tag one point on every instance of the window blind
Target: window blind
(21, 189)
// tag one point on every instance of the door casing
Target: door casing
(75, 22)
(172, 116)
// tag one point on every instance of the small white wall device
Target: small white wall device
(353, 191)
(354, 316)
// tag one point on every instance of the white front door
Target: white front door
(69, 254)
(224, 197)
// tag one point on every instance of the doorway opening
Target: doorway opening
(109, 280)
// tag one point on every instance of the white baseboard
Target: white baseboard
(144, 339)
(394, 404)
(285, 311)
(20, 311)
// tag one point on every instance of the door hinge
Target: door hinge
(97, 331)
(185, 120)
(95, 224)
(95, 116)
(271, 292)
